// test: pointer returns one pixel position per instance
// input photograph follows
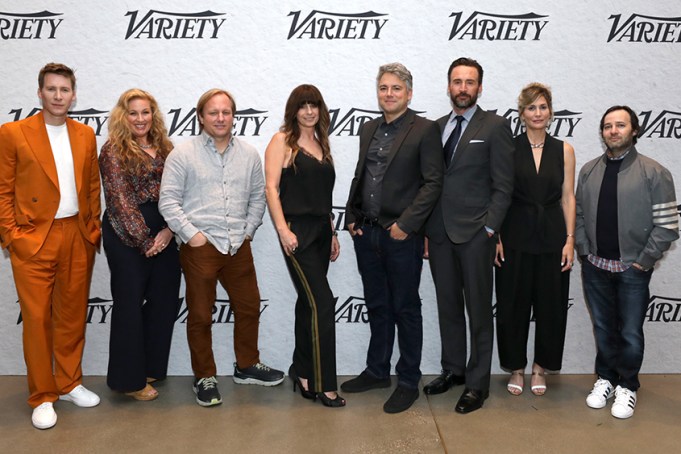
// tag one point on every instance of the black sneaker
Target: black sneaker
(206, 390)
(365, 382)
(258, 374)
(401, 399)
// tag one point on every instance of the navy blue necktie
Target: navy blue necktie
(453, 139)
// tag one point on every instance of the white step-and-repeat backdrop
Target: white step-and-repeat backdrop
(592, 54)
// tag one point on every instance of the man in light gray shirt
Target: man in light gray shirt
(212, 197)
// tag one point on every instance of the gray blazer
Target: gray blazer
(413, 178)
(478, 183)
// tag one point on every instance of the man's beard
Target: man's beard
(465, 102)
(621, 148)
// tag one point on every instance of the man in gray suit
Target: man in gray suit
(478, 182)
(397, 182)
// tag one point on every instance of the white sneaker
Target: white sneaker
(600, 394)
(625, 402)
(44, 416)
(81, 396)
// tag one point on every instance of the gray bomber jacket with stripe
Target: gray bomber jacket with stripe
(648, 219)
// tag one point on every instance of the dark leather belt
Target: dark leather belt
(368, 221)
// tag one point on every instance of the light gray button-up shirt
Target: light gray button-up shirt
(451, 124)
(219, 195)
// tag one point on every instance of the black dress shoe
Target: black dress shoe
(365, 382)
(447, 379)
(471, 400)
(401, 399)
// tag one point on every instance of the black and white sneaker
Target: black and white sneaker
(257, 374)
(599, 395)
(206, 390)
(625, 403)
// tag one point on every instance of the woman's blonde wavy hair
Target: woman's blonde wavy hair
(133, 158)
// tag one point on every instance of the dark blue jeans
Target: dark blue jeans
(391, 275)
(618, 303)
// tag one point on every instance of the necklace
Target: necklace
(145, 147)
(536, 145)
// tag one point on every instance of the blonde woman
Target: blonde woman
(535, 251)
(140, 248)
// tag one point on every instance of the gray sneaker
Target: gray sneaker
(257, 374)
(206, 390)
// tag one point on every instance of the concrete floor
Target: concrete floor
(254, 419)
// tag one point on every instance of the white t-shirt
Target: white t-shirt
(63, 158)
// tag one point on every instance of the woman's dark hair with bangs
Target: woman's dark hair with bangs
(299, 97)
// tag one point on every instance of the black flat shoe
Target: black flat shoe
(296, 381)
(329, 402)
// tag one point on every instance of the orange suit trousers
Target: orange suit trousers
(53, 288)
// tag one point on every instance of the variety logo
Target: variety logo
(353, 310)
(222, 312)
(91, 117)
(30, 25)
(323, 25)
(638, 28)
(663, 309)
(247, 122)
(338, 217)
(99, 310)
(664, 125)
(563, 124)
(165, 25)
(348, 123)
(498, 27)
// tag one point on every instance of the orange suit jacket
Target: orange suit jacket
(29, 188)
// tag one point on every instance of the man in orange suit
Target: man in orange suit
(50, 224)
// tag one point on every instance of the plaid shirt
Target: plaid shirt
(614, 266)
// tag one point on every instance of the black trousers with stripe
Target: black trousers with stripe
(314, 356)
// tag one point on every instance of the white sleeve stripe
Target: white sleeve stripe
(657, 213)
(665, 221)
(659, 206)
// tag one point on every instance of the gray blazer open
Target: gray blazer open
(478, 183)
(413, 178)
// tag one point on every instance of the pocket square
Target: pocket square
(476, 141)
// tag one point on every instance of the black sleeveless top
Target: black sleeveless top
(535, 222)
(306, 189)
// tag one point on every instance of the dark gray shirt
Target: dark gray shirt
(376, 164)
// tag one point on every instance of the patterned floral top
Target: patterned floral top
(124, 192)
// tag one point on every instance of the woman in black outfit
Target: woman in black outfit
(299, 177)
(140, 249)
(536, 246)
